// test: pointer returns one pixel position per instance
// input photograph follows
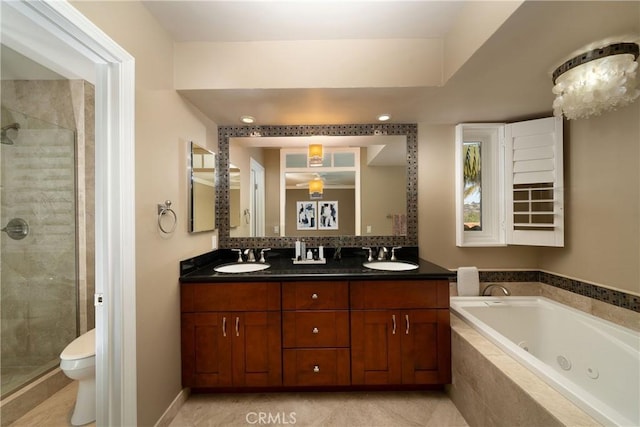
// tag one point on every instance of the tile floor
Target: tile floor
(338, 409)
(371, 409)
(53, 412)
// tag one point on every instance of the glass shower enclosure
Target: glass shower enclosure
(38, 255)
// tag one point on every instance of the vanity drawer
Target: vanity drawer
(315, 295)
(240, 296)
(368, 295)
(315, 329)
(316, 367)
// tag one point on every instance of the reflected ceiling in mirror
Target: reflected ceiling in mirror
(356, 134)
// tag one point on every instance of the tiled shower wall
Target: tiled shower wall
(42, 161)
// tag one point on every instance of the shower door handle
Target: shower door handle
(17, 229)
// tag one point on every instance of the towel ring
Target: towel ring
(165, 209)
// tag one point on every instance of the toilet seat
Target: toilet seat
(82, 347)
(77, 364)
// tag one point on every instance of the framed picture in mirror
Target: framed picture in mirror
(328, 215)
(306, 214)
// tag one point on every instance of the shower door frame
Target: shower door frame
(75, 47)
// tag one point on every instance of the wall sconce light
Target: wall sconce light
(316, 187)
(315, 155)
(596, 81)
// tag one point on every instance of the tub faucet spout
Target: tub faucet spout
(487, 291)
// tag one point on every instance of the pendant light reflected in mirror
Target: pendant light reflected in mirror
(315, 155)
(316, 187)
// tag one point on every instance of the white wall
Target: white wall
(164, 126)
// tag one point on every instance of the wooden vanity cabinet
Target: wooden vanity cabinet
(315, 333)
(400, 332)
(231, 335)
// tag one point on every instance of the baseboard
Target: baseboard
(171, 412)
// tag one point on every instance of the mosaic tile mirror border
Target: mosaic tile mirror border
(222, 190)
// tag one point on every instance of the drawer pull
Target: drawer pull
(314, 296)
(315, 330)
(393, 319)
(224, 326)
(406, 318)
(237, 326)
(316, 368)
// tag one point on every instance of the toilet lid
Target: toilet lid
(81, 347)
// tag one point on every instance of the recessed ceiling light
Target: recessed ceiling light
(384, 117)
(247, 119)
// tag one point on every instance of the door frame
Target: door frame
(58, 36)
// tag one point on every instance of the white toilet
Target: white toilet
(78, 362)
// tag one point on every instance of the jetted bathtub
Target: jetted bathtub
(593, 362)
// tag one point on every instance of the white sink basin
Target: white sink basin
(241, 267)
(391, 265)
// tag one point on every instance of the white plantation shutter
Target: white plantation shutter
(534, 183)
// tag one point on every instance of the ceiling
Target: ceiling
(233, 21)
(508, 77)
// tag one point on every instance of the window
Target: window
(472, 187)
(509, 184)
(479, 185)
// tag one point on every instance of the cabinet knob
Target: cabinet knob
(315, 330)
(314, 296)
(316, 368)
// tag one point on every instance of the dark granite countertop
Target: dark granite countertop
(200, 269)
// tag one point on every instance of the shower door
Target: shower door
(38, 268)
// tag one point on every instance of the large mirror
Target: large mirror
(361, 180)
(368, 175)
(202, 189)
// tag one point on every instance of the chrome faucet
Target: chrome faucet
(239, 254)
(393, 252)
(370, 257)
(262, 251)
(251, 256)
(382, 253)
(487, 291)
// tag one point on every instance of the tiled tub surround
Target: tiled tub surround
(589, 360)
(490, 388)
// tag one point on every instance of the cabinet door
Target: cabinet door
(206, 350)
(375, 347)
(257, 349)
(426, 347)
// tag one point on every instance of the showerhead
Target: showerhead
(4, 138)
